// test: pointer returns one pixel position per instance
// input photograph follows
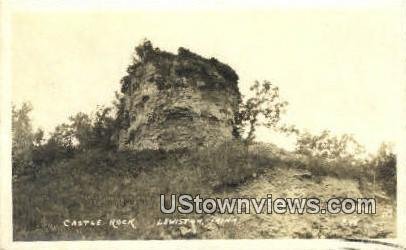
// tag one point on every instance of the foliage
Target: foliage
(327, 154)
(344, 157)
(199, 65)
(145, 50)
(385, 167)
(186, 63)
(31, 152)
(24, 140)
(264, 108)
(84, 132)
(22, 129)
(122, 117)
(329, 146)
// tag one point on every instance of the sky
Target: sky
(340, 67)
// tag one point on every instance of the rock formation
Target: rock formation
(177, 101)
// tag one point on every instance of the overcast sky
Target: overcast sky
(340, 67)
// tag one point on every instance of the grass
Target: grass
(100, 184)
(105, 184)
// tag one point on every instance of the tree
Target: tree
(264, 108)
(81, 127)
(385, 166)
(84, 132)
(22, 131)
(328, 146)
(104, 128)
(24, 139)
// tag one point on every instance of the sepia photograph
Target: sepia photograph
(190, 122)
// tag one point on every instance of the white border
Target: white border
(5, 126)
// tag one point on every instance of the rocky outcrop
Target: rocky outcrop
(177, 101)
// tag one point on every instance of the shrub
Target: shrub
(385, 165)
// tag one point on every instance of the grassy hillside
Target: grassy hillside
(104, 184)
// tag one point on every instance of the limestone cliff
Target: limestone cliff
(177, 101)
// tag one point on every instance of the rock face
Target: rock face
(177, 101)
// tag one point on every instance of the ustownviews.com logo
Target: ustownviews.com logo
(187, 204)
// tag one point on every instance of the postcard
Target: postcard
(191, 124)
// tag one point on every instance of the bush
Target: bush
(385, 165)
(340, 156)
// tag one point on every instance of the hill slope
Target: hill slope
(105, 185)
(288, 182)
